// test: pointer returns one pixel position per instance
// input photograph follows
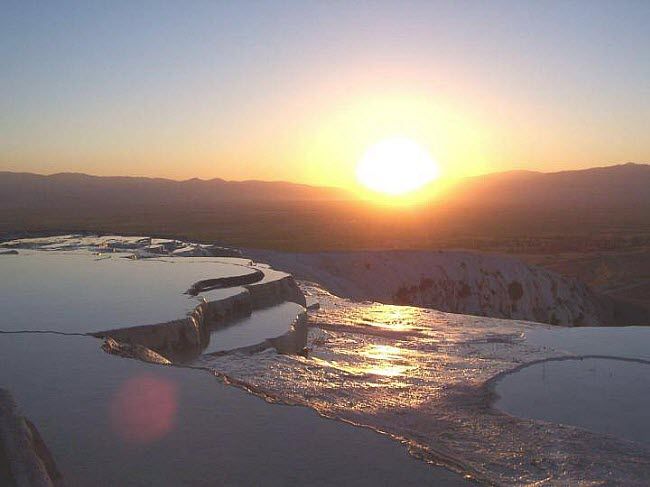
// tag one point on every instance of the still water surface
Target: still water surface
(609, 396)
(80, 292)
(114, 421)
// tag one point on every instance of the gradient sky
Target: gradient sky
(298, 90)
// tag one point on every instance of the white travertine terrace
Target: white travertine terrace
(426, 378)
(103, 286)
(422, 376)
(455, 281)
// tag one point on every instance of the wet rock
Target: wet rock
(135, 351)
(224, 282)
(294, 342)
(269, 293)
(26, 460)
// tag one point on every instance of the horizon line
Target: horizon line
(283, 181)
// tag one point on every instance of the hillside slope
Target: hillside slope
(620, 186)
(457, 282)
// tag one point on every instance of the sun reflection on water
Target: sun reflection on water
(374, 360)
(394, 318)
(382, 352)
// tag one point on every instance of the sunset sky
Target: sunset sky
(298, 91)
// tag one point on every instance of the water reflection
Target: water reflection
(394, 318)
(389, 361)
(419, 375)
(608, 396)
(371, 360)
(382, 352)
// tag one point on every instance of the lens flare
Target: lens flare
(144, 409)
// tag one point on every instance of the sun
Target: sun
(396, 166)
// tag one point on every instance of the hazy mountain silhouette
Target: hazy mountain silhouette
(587, 208)
(621, 186)
(32, 191)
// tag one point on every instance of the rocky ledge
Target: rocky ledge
(25, 460)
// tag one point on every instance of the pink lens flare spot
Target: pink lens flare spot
(144, 408)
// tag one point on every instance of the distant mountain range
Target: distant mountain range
(26, 190)
(587, 208)
(621, 186)
(540, 215)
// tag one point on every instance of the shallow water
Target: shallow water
(603, 395)
(260, 325)
(421, 375)
(113, 421)
(79, 292)
(625, 342)
(416, 374)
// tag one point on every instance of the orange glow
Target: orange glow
(396, 166)
(391, 318)
(380, 360)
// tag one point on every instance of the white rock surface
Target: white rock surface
(454, 281)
